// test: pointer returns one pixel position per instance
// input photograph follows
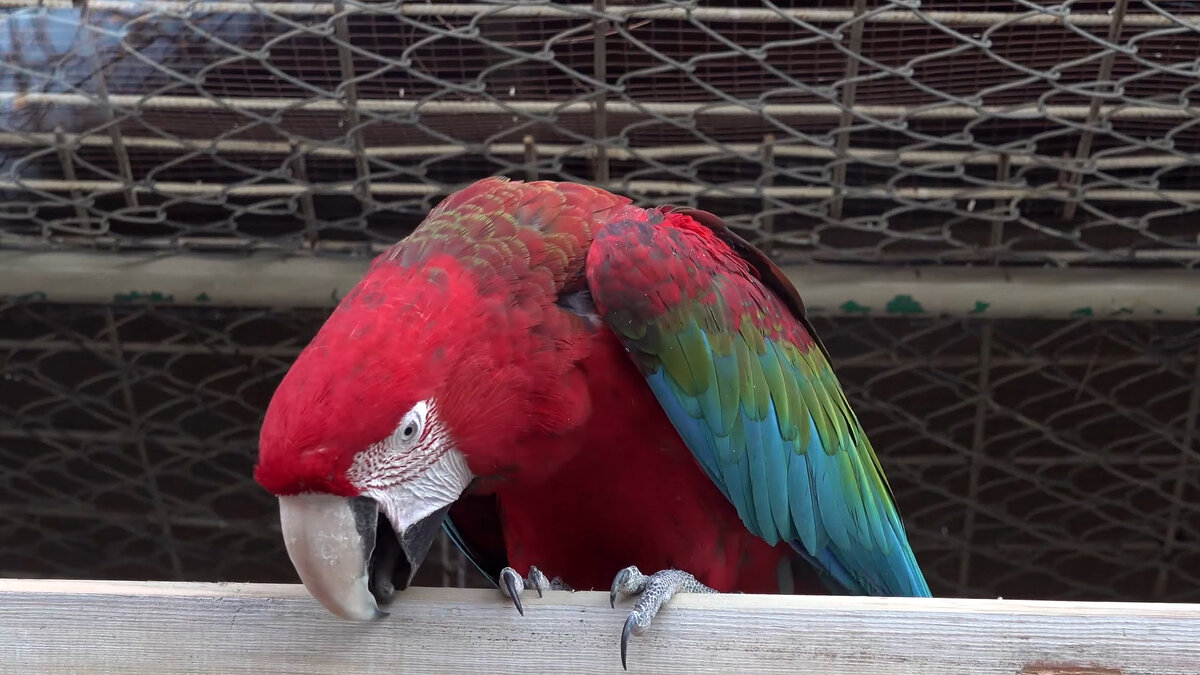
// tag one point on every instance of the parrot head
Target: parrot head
(367, 438)
(356, 443)
(442, 369)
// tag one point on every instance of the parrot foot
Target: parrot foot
(654, 591)
(511, 584)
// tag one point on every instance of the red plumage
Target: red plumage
(554, 419)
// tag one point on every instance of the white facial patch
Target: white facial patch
(414, 471)
(438, 486)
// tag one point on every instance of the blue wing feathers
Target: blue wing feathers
(830, 511)
(818, 499)
(872, 508)
(760, 488)
(844, 582)
(775, 459)
(804, 519)
(736, 468)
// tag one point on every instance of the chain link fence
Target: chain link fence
(960, 131)
(1031, 458)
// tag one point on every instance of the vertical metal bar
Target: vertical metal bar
(124, 167)
(979, 430)
(531, 169)
(1084, 149)
(307, 207)
(1003, 168)
(135, 430)
(68, 170)
(1190, 434)
(349, 96)
(849, 93)
(977, 453)
(767, 240)
(600, 170)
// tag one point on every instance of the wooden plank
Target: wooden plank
(115, 627)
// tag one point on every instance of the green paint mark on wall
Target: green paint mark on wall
(1121, 310)
(852, 307)
(904, 304)
(980, 307)
(203, 297)
(1082, 311)
(35, 296)
(135, 296)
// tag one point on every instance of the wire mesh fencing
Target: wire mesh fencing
(956, 131)
(1030, 459)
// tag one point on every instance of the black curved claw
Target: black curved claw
(511, 584)
(629, 623)
(616, 584)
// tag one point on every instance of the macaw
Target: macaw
(568, 383)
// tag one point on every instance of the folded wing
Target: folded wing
(720, 335)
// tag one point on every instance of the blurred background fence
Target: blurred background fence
(990, 206)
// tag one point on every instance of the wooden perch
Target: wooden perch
(128, 628)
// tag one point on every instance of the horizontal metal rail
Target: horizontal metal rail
(332, 105)
(661, 187)
(847, 290)
(336, 149)
(1045, 17)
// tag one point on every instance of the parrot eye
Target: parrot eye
(410, 427)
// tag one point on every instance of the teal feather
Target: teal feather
(775, 459)
(803, 509)
(760, 493)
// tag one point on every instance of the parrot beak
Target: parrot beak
(336, 548)
(331, 541)
(354, 553)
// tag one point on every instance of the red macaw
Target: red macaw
(571, 383)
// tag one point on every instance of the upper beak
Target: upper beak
(344, 559)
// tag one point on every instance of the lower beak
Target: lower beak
(416, 540)
(348, 557)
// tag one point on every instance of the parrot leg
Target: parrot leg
(511, 584)
(653, 592)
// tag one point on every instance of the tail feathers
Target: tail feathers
(905, 577)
